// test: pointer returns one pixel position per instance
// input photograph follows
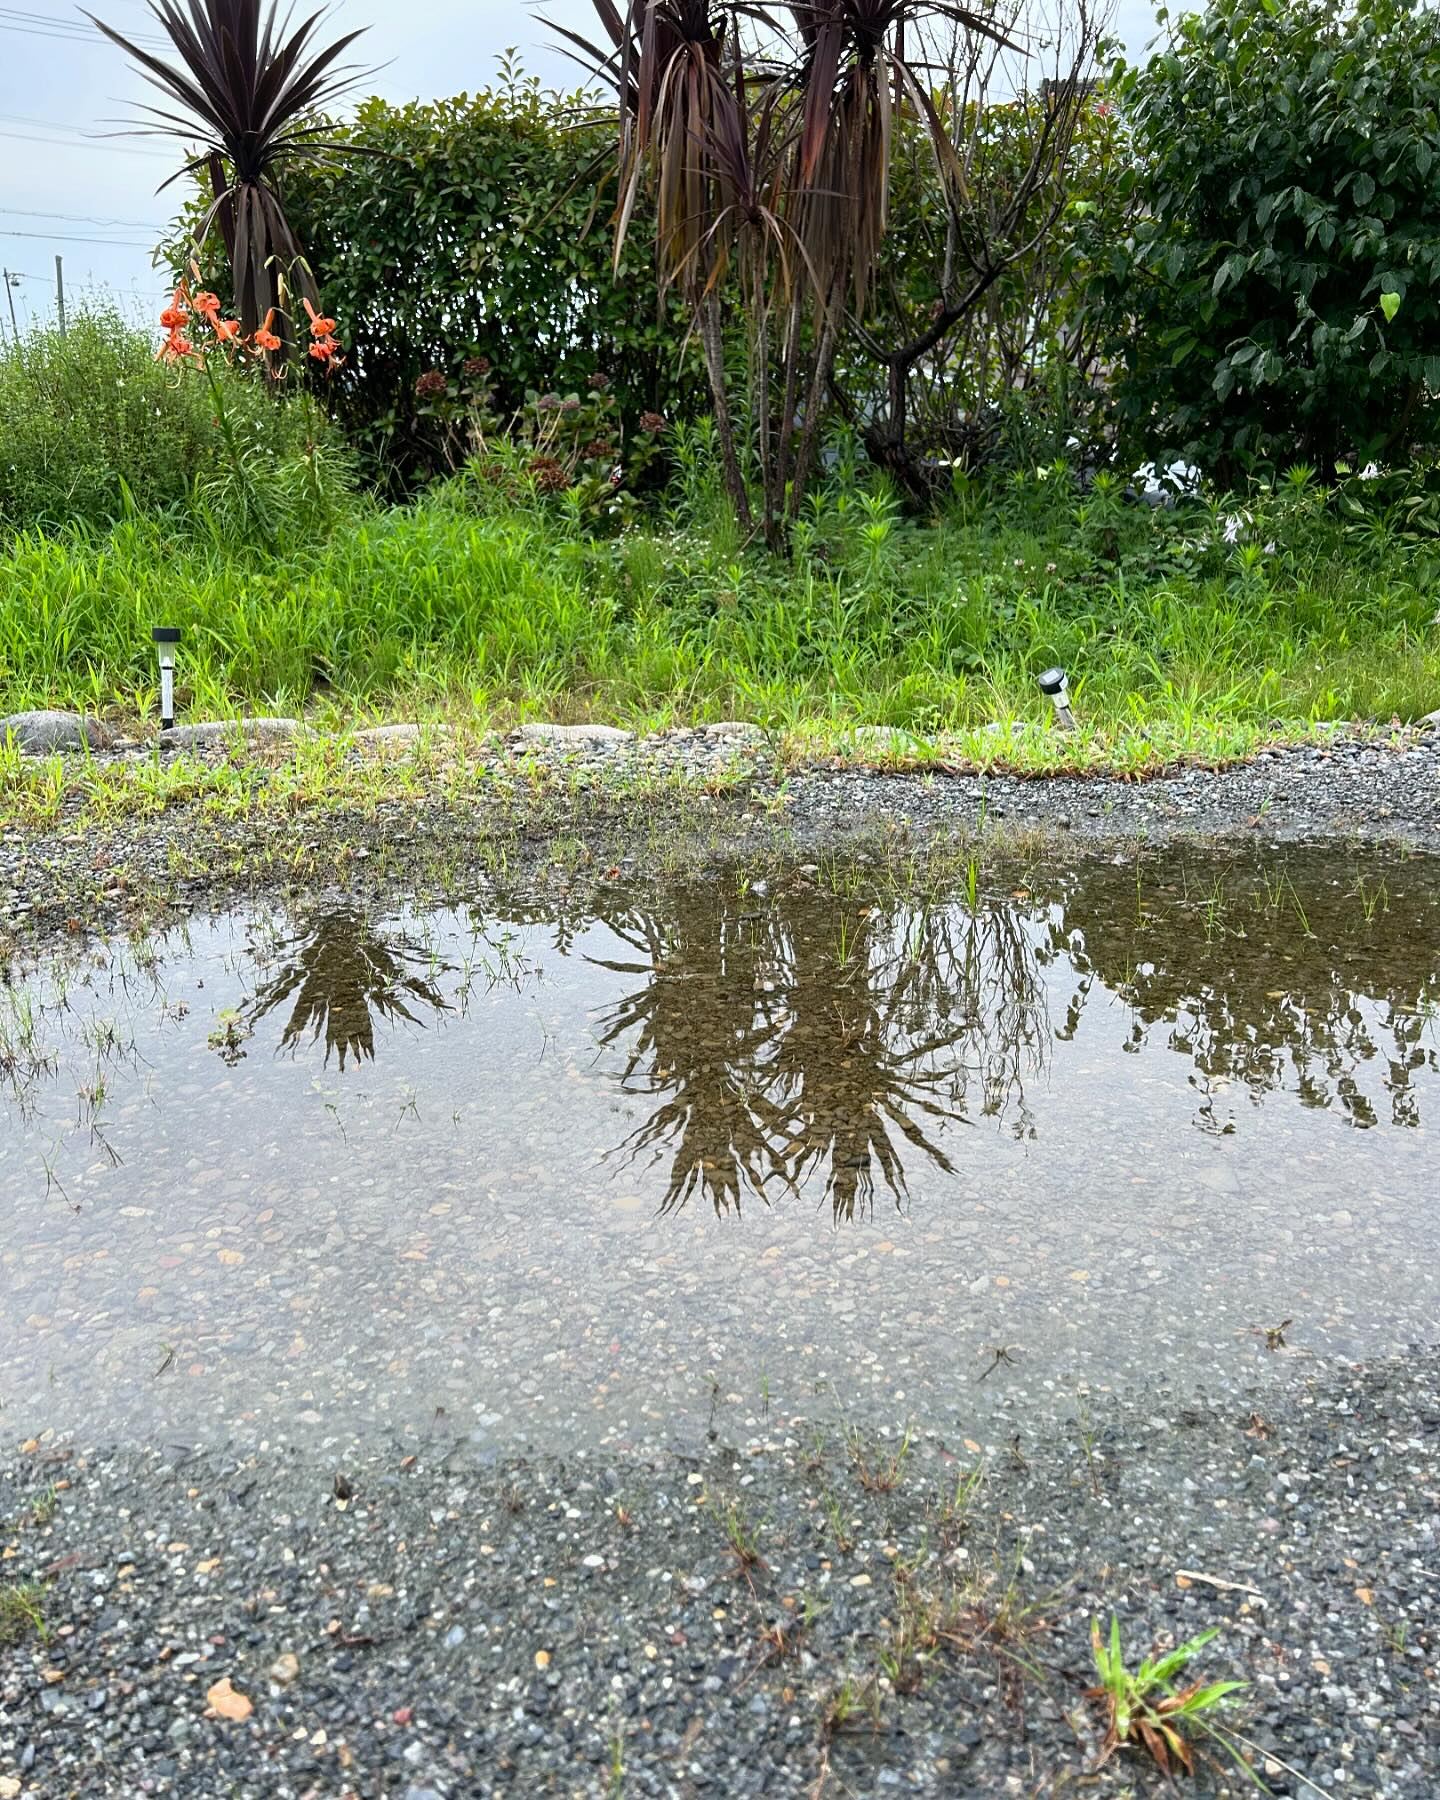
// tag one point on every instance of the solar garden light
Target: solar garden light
(166, 638)
(1055, 683)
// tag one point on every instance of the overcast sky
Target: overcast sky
(94, 202)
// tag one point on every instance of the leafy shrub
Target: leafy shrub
(466, 228)
(552, 445)
(1279, 300)
(87, 419)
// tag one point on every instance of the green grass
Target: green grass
(21, 1613)
(1178, 643)
(1147, 1708)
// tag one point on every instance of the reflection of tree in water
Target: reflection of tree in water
(1321, 979)
(803, 1042)
(343, 975)
(808, 1043)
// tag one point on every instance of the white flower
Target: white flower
(1270, 548)
(1231, 533)
(1371, 472)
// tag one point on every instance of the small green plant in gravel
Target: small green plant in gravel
(914, 1638)
(879, 1473)
(840, 1531)
(741, 1534)
(21, 1613)
(1146, 1708)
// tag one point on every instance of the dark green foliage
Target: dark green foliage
(477, 231)
(88, 417)
(1290, 162)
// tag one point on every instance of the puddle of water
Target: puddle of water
(555, 1177)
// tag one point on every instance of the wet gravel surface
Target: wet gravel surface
(631, 802)
(595, 1625)
(1352, 788)
(590, 1626)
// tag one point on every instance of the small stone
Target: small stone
(285, 1668)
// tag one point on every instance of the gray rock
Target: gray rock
(40, 733)
(221, 731)
(392, 734)
(1431, 718)
(733, 728)
(573, 734)
(893, 738)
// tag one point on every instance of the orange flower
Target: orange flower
(265, 338)
(324, 349)
(319, 328)
(207, 305)
(176, 314)
(175, 346)
(227, 330)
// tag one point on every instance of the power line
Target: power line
(60, 237)
(22, 212)
(71, 37)
(52, 25)
(80, 142)
(82, 132)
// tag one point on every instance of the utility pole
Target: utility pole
(60, 290)
(11, 282)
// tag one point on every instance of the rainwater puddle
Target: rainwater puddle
(518, 1176)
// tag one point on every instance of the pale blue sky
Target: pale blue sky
(93, 200)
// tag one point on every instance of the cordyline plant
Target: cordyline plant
(766, 133)
(249, 95)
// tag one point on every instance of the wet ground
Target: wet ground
(518, 1175)
(720, 1336)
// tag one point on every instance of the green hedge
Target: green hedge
(478, 226)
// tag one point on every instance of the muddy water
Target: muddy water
(550, 1176)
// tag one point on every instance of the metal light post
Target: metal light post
(1055, 683)
(166, 638)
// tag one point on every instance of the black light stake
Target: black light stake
(1055, 683)
(166, 637)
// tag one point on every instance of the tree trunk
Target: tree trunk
(713, 341)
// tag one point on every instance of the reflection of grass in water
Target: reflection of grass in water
(343, 975)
